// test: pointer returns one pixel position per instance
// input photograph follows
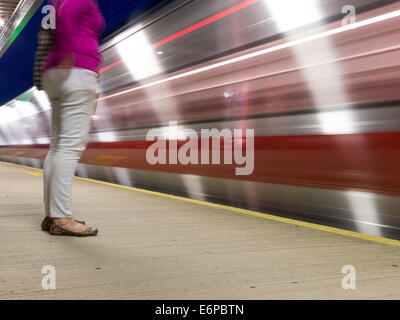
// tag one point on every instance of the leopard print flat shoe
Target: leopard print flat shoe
(47, 222)
(60, 231)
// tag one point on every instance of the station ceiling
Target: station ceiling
(7, 8)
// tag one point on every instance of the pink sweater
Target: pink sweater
(79, 25)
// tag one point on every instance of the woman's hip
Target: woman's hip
(63, 81)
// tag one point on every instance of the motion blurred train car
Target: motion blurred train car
(318, 85)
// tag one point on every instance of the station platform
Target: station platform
(156, 246)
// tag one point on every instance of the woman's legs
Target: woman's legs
(73, 95)
(48, 163)
(75, 113)
(47, 172)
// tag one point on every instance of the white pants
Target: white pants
(72, 94)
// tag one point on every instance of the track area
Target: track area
(161, 247)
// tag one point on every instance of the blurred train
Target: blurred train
(319, 86)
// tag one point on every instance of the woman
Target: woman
(70, 79)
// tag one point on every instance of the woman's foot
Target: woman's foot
(69, 227)
(48, 221)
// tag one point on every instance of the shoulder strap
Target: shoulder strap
(45, 43)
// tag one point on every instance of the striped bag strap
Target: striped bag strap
(45, 42)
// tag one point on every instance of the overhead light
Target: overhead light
(138, 55)
(292, 14)
(2, 21)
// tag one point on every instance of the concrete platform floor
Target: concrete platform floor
(152, 247)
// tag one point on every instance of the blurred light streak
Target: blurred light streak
(286, 45)
(199, 25)
(365, 211)
(138, 55)
(292, 14)
(324, 81)
(207, 21)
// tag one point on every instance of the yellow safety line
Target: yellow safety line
(309, 225)
(36, 173)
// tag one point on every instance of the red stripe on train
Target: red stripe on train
(368, 161)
